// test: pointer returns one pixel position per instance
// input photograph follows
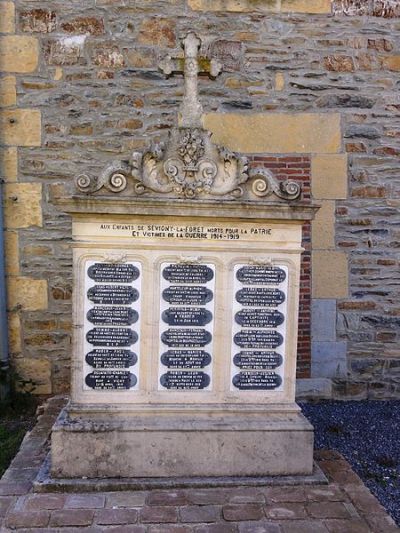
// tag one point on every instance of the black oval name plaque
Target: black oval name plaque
(113, 316)
(114, 272)
(186, 359)
(187, 295)
(261, 296)
(187, 273)
(257, 381)
(114, 380)
(253, 338)
(256, 360)
(111, 337)
(103, 358)
(185, 380)
(187, 316)
(260, 275)
(186, 338)
(112, 294)
(259, 318)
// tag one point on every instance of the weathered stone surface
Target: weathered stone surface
(323, 320)
(157, 32)
(18, 53)
(21, 127)
(8, 93)
(328, 359)
(330, 274)
(14, 333)
(22, 205)
(30, 294)
(329, 176)
(35, 371)
(11, 247)
(323, 227)
(276, 133)
(9, 164)
(7, 17)
(38, 20)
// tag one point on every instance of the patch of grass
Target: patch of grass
(17, 416)
(10, 440)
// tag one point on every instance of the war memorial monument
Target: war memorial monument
(186, 295)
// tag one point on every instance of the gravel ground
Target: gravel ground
(367, 434)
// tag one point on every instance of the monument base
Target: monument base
(259, 442)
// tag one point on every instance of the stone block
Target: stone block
(8, 93)
(11, 248)
(323, 226)
(37, 370)
(306, 6)
(329, 176)
(22, 205)
(328, 359)
(279, 81)
(313, 388)
(9, 164)
(38, 20)
(157, 32)
(27, 293)
(235, 6)
(271, 444)
(21, 127)
(14, 333)
(18, 53)
(330, 274)
(276, 132)
(323, 320)
(391, 63)
(7, 17)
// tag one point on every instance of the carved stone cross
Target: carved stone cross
(191, 65)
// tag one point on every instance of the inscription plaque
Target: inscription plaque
(259, 318)
(186, 323)
(187, 294)
(253, 338)
(113, 294)
(185, 359)
(111, 336)
(186, 338)
(187, 316)
(111, 325)
(257, 380)
(259, 323)
(260, 275)
(187, 273)
(107, 358)
(115, 272)
(113, 316)
(185, 380)
(114, 380)
(257, 360)
(260, 296)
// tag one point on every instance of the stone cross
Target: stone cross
(191, 65)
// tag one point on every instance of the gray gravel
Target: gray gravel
(367, 434)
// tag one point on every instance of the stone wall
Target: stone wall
(312, 78)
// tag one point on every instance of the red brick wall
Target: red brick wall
(297, 168)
